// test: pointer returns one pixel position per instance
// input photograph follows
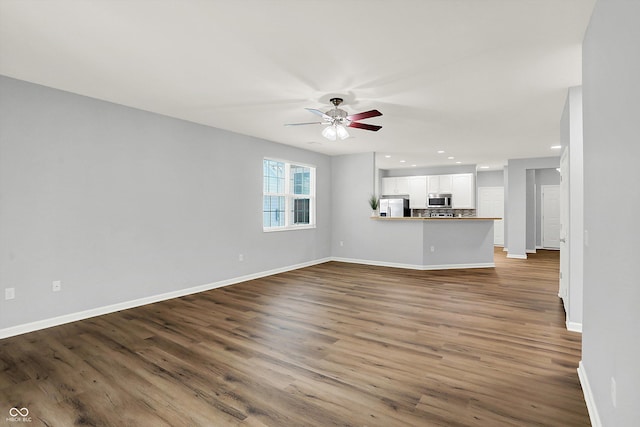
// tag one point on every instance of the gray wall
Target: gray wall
(351, 187)
(352, 184)
(363, 238)
(121, 204)
(611, 317)
(531, 210)
(490, 178)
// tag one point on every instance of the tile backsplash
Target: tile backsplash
(465, 213)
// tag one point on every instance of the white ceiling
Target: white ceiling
(485, 81)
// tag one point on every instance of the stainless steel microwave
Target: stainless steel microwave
(439, 201)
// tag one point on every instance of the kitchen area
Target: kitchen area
(435, 215)
(429, 196)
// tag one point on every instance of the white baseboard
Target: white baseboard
(588, 396)
(377, 263)
(573, 326)
(517, 256)
(530, 251)
(414, 266)
(98, 311)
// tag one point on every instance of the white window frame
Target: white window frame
(289, 197)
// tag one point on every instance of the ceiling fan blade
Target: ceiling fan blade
(319, 113)
(301, 124)
(364, 115)
(364, 126)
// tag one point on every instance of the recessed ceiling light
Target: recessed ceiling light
(388, 156)
(402, 161)
(440, 151)
(484, 167)
(556, 147)
(413, 166)
(450, 157)
(458, 162)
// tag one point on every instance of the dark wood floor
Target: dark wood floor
(333, 344)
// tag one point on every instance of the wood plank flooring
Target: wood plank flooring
(333, 344)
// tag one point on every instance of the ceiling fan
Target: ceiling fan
(338, 120)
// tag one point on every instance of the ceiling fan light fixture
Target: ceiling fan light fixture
(342, 132)
(330, 133)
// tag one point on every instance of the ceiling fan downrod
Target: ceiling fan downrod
(336, 101)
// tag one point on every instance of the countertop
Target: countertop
(414, 218)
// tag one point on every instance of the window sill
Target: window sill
(300, 227)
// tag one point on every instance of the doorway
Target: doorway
(550, 216)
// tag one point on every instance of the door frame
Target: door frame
(542, 216)
(565, 273)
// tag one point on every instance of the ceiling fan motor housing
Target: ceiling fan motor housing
(337, 115)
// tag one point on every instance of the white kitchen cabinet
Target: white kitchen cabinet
(463, 190)
(439, 184)
(396, 185)
(417, 192)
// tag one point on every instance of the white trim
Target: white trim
(517, 256)
(574, 326)
(530, 251)
(588, 396)
(290, 228)
(414, 266)
(98, 311)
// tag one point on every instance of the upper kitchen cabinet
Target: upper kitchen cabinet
(417, 192)
(463, 189)
(395, 185)
(439, 184)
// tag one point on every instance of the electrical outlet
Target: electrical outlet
(240, 257)
(56, 286)
(433, 248)
(341, 243)
(9, 293)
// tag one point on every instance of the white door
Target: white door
(563, 291)
(491, 205)
(551, 216)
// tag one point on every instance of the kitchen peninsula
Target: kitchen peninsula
(425, 243)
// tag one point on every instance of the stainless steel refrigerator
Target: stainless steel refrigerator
(394, 207)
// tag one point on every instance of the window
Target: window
(288, 195)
